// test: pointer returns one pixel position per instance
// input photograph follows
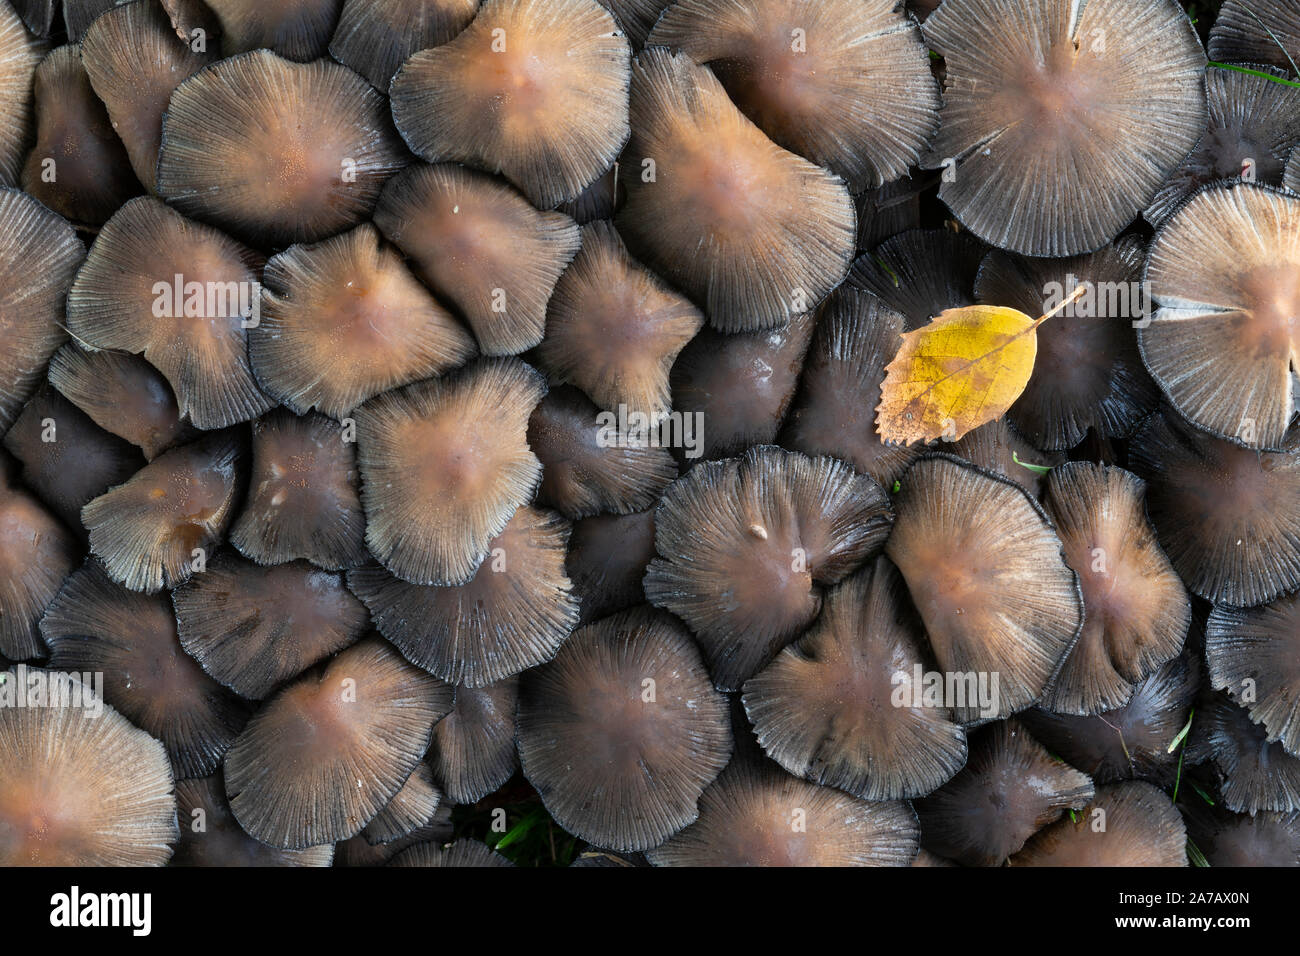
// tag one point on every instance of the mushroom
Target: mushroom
(82, 788)
(357, 851)
(462, 853)
(607, 559)
(78, 15)
(193, 21)
(93, 625)
(1010, 789)
(134, 61)
(922, 272)
(621, 733)
(412, 807)
(892, 209)
(1257, 31)
(637, 17)
(998, 448)
(345, 320)
(36, 554)
(1087, 370)
(513, 613)
(297, 29)
(236, 152)
(374, 37)
(1224, 341)
(182, 295)
(845, 83)
(747, 545)
(38, 15)
(252, 628)
(1135, 611)
(1227, 516)
(613, 328)
(303, 500)
(328, 752)
(39, 254)
(839, 706)
(1236, 839)
(78, 166)
(754, 234)
(991, 584)
(533, 89)
(444, 464)
(20, 55)
(1126, 824)
(478, 243)
(210, 835)
(1062, 120)
(1254, 775)
(156, 530)
(473, 752)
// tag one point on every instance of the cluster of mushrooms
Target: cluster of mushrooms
(354, 548)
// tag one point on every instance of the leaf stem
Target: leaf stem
(1068, 300)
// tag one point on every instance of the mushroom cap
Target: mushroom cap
(358, 851)
(39, 255)
(303, 500)
(94, 625)
(134, 61)
(1258, 31)
(1227, 516)
(991, 584)
(462, 853)
(473, 752)
(589, 464)
(20, 54)
(1061, 121)
(829, 709)
(327, 753)
(750, 264)
(1009, 789)
(742, 385)
(1254, 655)
(444, 464)
(893, 208)
(1137, 826)
(533, 89)
(995, 446)
(297, 29)
(182, 295)
(478, 243)
(513, 613)
(1087, 370)
(833, 412)
(192, 19)
(148, 530)
(607, 559)
(123, 394)
(210, 835)
(1265, 839)
(374, 37)
(78, 166)
(78, 15)
(1225, 273)
(921, 273)
(1254, 774)
(637, 17)
(79, 788)
(252, 628)
(236, 152)
(613, 328)
(756, 814)
(38, 15)
(852, 91)
(621, 733)
(345, 320)
(746, 546)
(1135, 610)
(36, 554)
(412, 808)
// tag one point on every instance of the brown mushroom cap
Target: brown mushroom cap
(345, 320)
(996, 446)
(147, 531)
(39, 254)
(746, 546)
(374, 37)
(1265, 839)
(193, 20)
(473, 752)
(1010, 788)
(828, 707)
(20, 55)
(38, 15)
(78, 15)
(324, 756)
(236, 152)
(297, 29)
(1126, 824)
(1224, 341)
(93, 625)
(251, 628)
(357, 851)
(621, 733)
(513, 613)
(36, 554)
(462, 853)
(1227, 516)
(210, 835)
(845, 83)
(613, 328)
(1046, 101)
(637, 17)
(192, 329)
(533, 89)
(1257, 31)
(80, 788)
(991, 584)
(607, 559)
(303, 500)
(1254, 655)
(134, 61)
(922, 272)
(756, 814)
(412, 808)
(444, 464)
(1254, 774)
(480, 245)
